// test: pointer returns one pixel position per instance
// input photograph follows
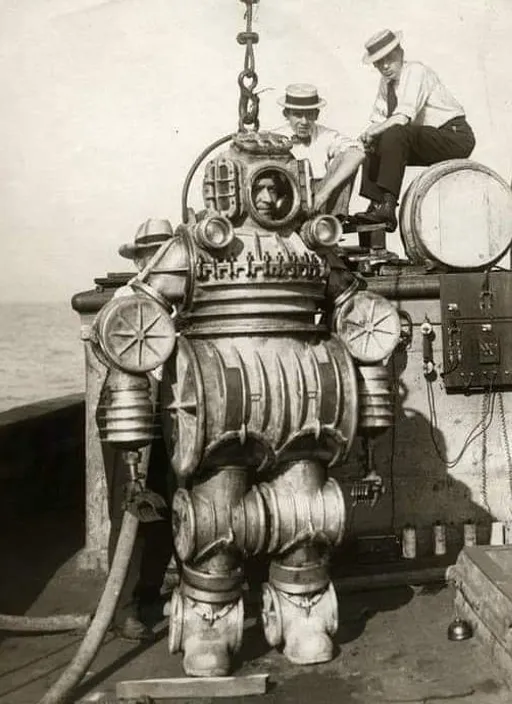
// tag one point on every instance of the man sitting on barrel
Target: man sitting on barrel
(415, 121)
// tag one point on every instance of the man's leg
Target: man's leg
(339, 200)
(126, 619)
(369, 176)
(419, 146)
(411, 144)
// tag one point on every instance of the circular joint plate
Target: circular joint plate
(183, 524)
(271, 616)
(137, 334)
(176, 613)
(369, 325)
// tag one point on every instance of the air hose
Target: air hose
(86, 653)
(44, 624)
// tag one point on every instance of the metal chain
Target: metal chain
(483, 490)
(249, 103)
(506, 441)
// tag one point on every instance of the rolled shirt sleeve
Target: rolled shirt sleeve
(413, 90)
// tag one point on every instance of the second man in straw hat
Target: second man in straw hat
(415, 120)
(334, 157)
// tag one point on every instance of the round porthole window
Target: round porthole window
(274, 197)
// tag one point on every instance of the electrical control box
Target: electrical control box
(476, 319)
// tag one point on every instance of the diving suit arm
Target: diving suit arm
(342, 284)
(136, 330)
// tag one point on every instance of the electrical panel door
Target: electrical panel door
(476, 319)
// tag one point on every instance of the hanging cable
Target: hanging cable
(483, 485)
(488, 402)
(248, 105)
(505, 438)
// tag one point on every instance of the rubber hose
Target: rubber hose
(193, 169)
(86, 653)
(45, 624)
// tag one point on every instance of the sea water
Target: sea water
(41, 354)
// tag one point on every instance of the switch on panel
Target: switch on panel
(488, 345)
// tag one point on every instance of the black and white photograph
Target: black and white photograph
(256, 351)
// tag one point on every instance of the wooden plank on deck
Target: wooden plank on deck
(166, 688)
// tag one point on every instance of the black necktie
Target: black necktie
(392, 101)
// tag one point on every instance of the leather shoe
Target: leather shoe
(384, 214)
(372, 205)
(129, 626)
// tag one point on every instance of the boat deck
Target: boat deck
(392, 644)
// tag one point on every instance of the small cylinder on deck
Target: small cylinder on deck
(470, 534)
(439, 538)
(409, 542)
(497, 533)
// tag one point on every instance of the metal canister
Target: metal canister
(497, 533)
(409, 542)
(439, 534)
(469, 533)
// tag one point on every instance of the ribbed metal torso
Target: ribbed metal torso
(266, 283)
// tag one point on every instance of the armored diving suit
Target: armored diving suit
(259, 397)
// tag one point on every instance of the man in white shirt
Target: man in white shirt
(334, 157)
(415, 120)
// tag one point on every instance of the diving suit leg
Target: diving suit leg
(307, 518)
(206, 612)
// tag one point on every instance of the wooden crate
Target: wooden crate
(482, 577)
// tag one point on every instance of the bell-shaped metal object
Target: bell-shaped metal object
(459, 629)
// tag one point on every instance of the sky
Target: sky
(105, 105)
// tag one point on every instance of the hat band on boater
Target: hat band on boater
(302, 102)
(381, 43)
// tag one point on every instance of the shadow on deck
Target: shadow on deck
(391, 643)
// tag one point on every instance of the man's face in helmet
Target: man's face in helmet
(265, 196)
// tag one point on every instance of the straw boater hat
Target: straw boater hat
(381, 44)
(301, 96)
(151, 233)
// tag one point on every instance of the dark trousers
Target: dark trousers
(412, 145)
(153, 546)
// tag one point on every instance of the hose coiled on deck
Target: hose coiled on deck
(86, 653)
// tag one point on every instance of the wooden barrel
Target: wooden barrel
(458, 215)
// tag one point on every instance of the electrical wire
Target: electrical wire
(479, 429)
(396, 399)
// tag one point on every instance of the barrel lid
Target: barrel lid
(457, 213)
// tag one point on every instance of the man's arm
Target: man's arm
(341, 168)
(375, 128)
(412, 94)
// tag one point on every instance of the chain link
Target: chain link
(506, 441)
(249, 102)
(483, 486)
